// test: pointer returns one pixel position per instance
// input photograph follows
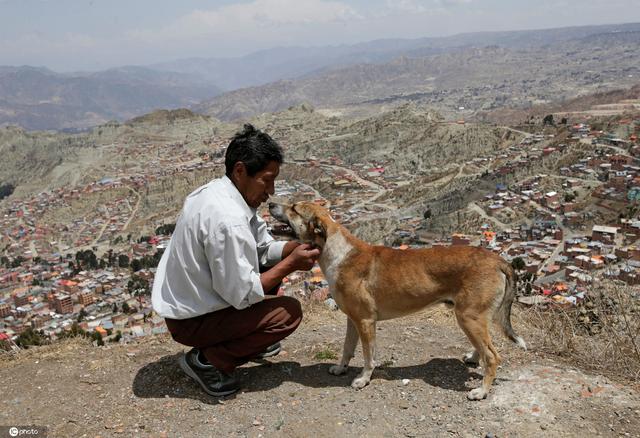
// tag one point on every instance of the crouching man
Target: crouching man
(216, 282)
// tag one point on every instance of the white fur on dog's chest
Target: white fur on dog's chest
(333, 254)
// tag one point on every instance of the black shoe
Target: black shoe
(212, 380)
(271, 350)
(197, 358)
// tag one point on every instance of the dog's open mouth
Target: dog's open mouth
(282, 230)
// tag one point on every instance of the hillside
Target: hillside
(38, 98)
(579, 104)
(474, 78)
(35, 161)
(138, 389)
(271, 65)
(407, 139)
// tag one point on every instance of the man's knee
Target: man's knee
(292, 307)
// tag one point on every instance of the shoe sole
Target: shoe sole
(187, 369)
(269, 354)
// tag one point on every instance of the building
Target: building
(603, 233)
(460, 240)
(85, 298)
(21, 298)
(62, 303)
(5, 310)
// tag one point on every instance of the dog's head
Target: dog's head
(308, 221)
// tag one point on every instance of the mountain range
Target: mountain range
(478, 71)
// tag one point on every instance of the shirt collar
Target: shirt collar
(248, 211)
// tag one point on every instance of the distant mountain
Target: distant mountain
(376, 72)
(284, 63)
(38, 98)
(475, 78)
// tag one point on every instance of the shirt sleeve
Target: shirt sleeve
(234, 277)
(269, 249)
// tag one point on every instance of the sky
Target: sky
(72, 35)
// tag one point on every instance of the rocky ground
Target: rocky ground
(138, 389)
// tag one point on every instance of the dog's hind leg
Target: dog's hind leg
(350, 343)
(476, 327)
(367, 331)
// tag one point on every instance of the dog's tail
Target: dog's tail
(503, 313)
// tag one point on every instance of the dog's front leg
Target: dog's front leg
(350, 343)
(367, 330)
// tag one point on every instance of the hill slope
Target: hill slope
(138, 389)
(37, 98)
(476, 78)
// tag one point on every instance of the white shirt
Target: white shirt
(214, 256)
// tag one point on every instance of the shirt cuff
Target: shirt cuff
(274, 253)
(256, 294)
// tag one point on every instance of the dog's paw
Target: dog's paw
(337, 370)
(360, 382)
(471, 358)
(477, 394)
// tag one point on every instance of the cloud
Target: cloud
(250, 18)
(423, 6)
(36, 42)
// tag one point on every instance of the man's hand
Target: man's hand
(303, 257)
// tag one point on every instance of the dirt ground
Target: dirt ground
(138, 389)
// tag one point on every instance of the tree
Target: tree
(82, 315)
(138, 286)
(31, 337)
(17, 262)
(75, 330)
(136, 265)
(165, 229)
(6, 190)
(123, 261)
(96, 336)
(125, 307)
(117, 337)
(518, 263)
(548, 119)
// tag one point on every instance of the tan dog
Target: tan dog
(374, 283)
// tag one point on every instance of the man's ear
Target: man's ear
(239, 169)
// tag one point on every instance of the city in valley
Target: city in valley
(557, 196)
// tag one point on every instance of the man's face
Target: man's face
(256, 189)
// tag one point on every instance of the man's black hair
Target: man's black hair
(254, 148)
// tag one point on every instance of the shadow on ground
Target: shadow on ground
(164, 378)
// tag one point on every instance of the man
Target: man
(209, 286)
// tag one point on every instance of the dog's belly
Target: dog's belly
(395, 305)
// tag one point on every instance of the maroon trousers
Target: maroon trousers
(230, 337)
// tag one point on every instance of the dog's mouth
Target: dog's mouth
(282, 230)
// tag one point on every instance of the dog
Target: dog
(375, 283)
